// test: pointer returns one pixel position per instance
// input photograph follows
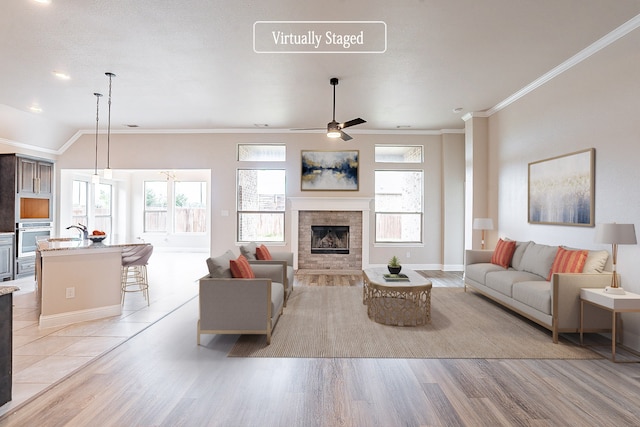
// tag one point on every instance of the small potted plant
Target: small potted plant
(394, 265)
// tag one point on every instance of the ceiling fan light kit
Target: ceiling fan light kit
(334, 129)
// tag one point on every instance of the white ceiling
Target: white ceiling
(190, 64)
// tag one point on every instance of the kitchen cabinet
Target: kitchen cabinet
(6, 341)
(6, 256)
(34, 176)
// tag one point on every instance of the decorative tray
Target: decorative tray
(396, 277)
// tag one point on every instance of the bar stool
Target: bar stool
(134, 270)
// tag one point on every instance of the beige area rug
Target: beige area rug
(328, 322)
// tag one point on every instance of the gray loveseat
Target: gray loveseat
(281, 258)
(523, 286)
(240, 306)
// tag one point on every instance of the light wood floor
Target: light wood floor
(160, 377)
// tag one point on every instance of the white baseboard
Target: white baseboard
(62, 319)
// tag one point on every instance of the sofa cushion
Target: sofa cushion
(536, 294)
(595, 262)
(537, 259)
(477, 272)
(219, 267)
(249, 251)
(503, 253)
(567, 261)
(503, 281)
(240, 268)
(262, 253)
(516, 259)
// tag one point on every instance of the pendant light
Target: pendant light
(107, 172)
(95, 179)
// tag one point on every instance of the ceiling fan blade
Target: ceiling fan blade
(353, 122)
(344, 136)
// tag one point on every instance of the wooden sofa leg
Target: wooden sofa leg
(555, 335)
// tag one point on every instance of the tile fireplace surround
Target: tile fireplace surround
(352, 211)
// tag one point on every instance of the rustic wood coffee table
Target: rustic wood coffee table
(397, 303)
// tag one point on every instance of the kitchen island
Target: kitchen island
(6, 341)
(78, 280)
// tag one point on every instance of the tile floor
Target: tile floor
(43, 357)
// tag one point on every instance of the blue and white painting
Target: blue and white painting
(561, 190)
(330, 170)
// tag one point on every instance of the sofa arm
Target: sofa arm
(476, 256)
(274, 270)
(565, 299)
(283, 256)
(234, 304)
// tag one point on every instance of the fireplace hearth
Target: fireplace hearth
(329, 239)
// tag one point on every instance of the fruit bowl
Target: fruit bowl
(97, 238)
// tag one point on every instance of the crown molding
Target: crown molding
(585, 53)
(27, 146)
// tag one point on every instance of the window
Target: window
(175, 206)
(155, 206)
(261, 205)
(262, 152)
(398, 153)
(79, 214)
(190, 207)
(398, 206)
(102, 208)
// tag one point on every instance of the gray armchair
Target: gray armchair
(240, 306)
(284, 259)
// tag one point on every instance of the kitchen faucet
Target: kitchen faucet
(82, 229)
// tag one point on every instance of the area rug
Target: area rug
(332, 322)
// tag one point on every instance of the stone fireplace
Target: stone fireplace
(330, 233)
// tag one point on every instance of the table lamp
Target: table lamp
(483, 224)
(616, 234)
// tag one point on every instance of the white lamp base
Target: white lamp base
(614, 291)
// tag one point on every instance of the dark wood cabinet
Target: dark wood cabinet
(6, 257)
(6, 344)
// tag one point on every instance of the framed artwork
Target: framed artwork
(561, 189)
(330, 170)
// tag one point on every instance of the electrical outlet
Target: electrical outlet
(71, 292)
(408, 254)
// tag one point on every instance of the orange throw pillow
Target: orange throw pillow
(240, 268)
(567, 261)
(503, 253)
(262, 253)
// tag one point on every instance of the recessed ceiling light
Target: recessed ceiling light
(35, 109)
(43, 1)
(457, 110)
(61, 75)
(403, 127)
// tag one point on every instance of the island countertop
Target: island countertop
(65, 243)
(8, 289)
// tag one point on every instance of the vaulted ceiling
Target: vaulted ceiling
(189, 65)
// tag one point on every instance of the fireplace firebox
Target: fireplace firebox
(329, 239)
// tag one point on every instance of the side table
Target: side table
(616, 304)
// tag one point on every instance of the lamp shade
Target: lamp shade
(620, 234)
(483, 224)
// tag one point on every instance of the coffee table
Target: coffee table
(397, 303)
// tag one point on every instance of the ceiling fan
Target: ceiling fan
(334, 129)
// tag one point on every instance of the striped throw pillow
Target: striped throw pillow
(503, 253)
(240, 268)
(567, 261)
(262, 253)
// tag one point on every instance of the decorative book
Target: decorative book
(396, 277)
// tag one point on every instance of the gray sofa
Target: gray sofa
(523, 286)
(240, 306)
(281, 258)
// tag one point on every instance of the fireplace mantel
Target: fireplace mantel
(357, 204)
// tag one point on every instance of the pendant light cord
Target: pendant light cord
(109, 122)
(98, 95)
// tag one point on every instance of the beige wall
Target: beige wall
(444, 174)
(594, 104)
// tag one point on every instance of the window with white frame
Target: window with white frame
(261, 205)
(262, 152)
(398, 206)
(155, 206)
(190, 203)
(79, 197)
(102, 207)
(398, 154)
